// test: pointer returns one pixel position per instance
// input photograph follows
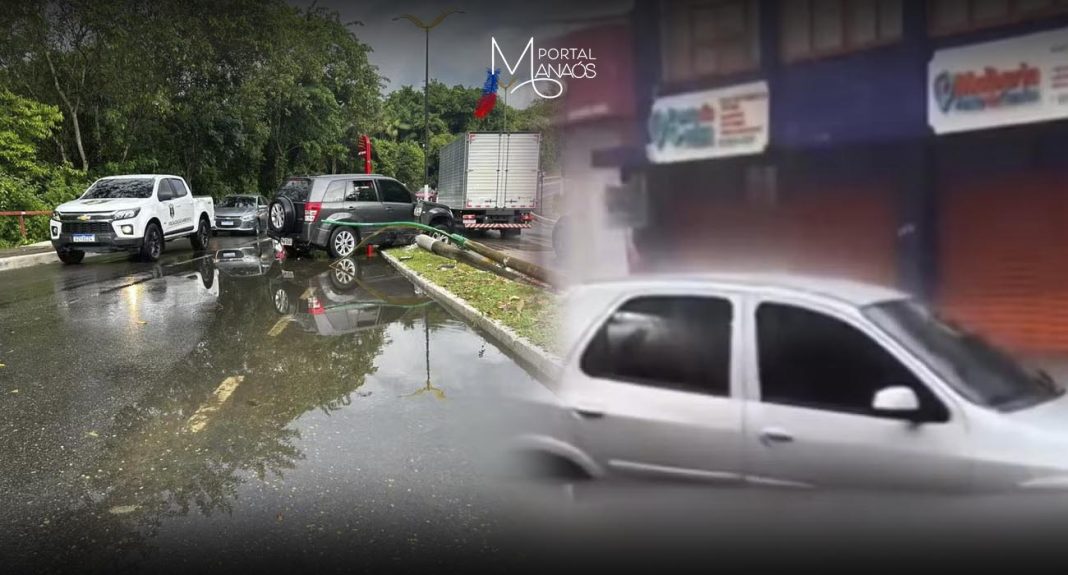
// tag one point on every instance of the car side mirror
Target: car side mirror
(897, 399)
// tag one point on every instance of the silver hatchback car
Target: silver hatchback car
(795, 382)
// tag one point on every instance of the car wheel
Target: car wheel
(206, 267)
(283, 301)
(281, 215)
(344, 274)
(152, 244)
(69, 256)
(343, 242)
(201, 237)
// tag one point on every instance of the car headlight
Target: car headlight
(126, 214)
(248, 218)
(56, 215)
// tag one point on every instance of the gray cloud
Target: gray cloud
(460, 46)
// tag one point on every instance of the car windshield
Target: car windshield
(296, 189)
(981, 372)
(238, 202)
(120, 188)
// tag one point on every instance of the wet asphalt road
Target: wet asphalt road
(223, 408)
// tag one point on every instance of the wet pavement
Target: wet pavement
(166, 416)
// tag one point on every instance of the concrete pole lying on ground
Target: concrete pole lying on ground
(522, 266)
(450, 251)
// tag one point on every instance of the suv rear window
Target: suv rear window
(296, 189)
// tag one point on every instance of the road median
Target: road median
(520, 317)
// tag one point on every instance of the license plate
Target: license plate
(287, 241)
(224, 223)
(287, 275)
(88, 238)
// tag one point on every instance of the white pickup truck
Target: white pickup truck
(136, 213)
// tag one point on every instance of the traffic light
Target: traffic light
(363, 150)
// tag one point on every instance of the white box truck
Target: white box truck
(490, 180)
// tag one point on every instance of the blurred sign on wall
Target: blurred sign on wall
(1015, 81)
(717, 123)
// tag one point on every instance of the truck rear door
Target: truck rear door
(484, 171)
(519, 177)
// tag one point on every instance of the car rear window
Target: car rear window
(296, 189)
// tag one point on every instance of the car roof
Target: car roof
(131, 176)
(842, 290)
(346, 176)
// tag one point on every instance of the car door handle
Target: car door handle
(588, 412)
(771, 435)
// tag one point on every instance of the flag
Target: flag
(489, 94)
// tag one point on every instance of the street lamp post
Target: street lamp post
(426, 85)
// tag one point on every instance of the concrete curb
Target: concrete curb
(546, 364)
(28, 260)
(16, 262)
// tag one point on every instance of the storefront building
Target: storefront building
(916, 144)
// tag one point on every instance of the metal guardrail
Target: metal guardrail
(21, 214)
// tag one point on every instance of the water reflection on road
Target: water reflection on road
(236, 401)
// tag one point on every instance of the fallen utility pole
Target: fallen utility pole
(475, 260)
(522, 266)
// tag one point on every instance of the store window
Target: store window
(815, 28)
(952, 16)
(709, 38)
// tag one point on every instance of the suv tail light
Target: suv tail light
(314, 306)
(311, 211)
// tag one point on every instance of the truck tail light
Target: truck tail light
(315, 307)
(311, 211)
(526, 217)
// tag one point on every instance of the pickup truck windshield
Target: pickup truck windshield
(238, 202)
(974, 368)
(139, 188)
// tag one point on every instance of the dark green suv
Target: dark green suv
(299, 214)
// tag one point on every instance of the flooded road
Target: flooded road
(234, 403)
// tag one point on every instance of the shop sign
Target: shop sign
(710, 124)
(1015, 81)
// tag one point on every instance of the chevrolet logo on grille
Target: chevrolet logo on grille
(84, 217)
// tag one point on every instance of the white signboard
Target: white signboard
(711, 124)
(1016, 81)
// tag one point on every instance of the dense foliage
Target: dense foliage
(232, 95)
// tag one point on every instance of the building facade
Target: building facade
(916, 144)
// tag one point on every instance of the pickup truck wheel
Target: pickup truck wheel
(69, 256)
(342, 243)
(201, 237)
(152, 244)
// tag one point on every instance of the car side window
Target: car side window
(335, 192)
(362, 191)
(393, 191)
(166, 192)
(179, 188)
(810, 359)
(673, 342)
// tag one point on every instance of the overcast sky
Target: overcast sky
(460, 46)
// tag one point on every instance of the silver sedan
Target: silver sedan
(795, 382)
(241, 213)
